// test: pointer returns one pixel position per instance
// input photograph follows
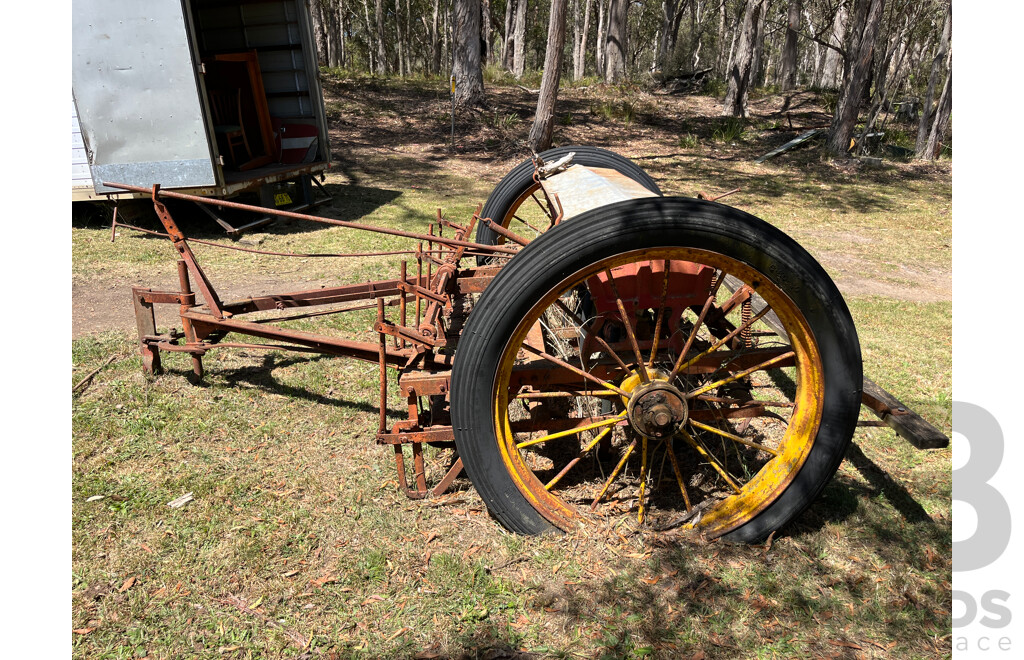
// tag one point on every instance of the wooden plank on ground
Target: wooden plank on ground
(907, 423)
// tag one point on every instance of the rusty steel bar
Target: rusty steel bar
(402, 312)
(181, 245)
(419, 279)
(502, 231)
(382, 356)
(302, 216)
(186, 324)
(360, 350)
(326, 312)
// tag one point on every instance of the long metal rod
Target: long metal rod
(367, 351)
(312, 218)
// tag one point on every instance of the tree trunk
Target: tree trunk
(789, 51)
(506, 52)
(342, 30)
(757, 67)
(938, 64)
(519, 40)
(722, 38)
(666, 40)
(599, 46)
(933, 145)
(382, 56)
(740, 69)
(832, 74)
(435, 41)
(485, 31)
(469, 76)
(369, 36)
(408, 37)
(580, 60)
(860, 48)
(398, 38)
(446, 34)
(615, 42)
(543, 123)
(320, 31)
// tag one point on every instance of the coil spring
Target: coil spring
(747, 313)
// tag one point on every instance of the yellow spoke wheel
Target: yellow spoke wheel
(609, 374)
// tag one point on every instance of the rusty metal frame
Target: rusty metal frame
(423, 371)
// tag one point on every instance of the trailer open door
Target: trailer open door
(138, 96)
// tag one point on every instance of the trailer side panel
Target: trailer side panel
(137, 94)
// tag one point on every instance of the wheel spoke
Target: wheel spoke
(699, 448)
(516, 217)
(643, 480)
(696, 328)
(565, 365)
(679, 475)
(744, 402)
(547, 211)
(574, 431)
(734, 438)
(615, 473)
(717, 345)
(573, 462)
(661, 312)
(742, 374)
(629, 329)
(609, 350)
(567, 395)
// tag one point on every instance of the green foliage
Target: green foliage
(828, 98)
(531, 78)
(585, 81)
(689, 141)
(713, 87)
(900, 138)
(729, 129)
(763, 92)
(495, 74)
(505, 120)
(624, 110)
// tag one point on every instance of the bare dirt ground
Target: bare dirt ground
(396, 134)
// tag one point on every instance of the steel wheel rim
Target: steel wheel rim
(536, 223)
(756, 493)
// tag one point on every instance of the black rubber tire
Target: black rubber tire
(520, 179)
(645, 224)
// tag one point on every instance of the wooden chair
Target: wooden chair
(226, 105)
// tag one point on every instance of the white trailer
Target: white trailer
(218, 98)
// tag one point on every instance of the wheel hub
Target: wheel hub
(657, 409)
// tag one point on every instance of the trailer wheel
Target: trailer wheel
(728, 426)
(514, 204)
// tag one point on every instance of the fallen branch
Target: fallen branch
(527, 89)
(85, 382)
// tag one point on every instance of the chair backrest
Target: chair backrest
(226, 105)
